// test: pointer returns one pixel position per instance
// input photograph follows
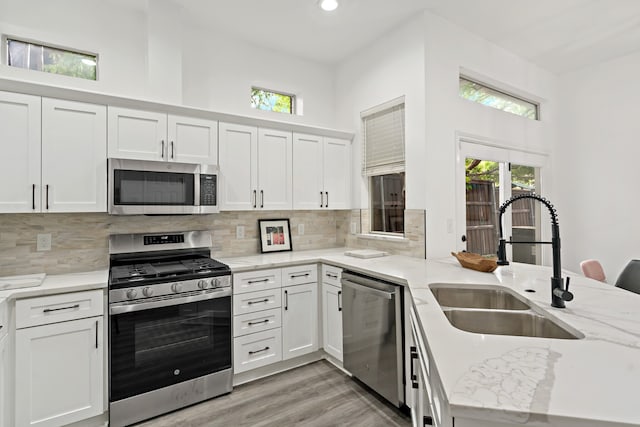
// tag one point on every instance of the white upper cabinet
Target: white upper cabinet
(192, 140)
(147, 135)
(74, 156)
(321, 172)
(255, 168)
(20, 147)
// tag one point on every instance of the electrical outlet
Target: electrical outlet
(240, 232)
(300, 229)
(354, 228)
(43, 242)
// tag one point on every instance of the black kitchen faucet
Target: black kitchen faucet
(559, 293)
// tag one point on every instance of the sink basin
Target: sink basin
(476, 296)
(518, 323)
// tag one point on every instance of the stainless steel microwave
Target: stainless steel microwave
(161, 188)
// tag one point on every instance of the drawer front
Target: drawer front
(300, 274)
(257, 322)
(257, 301)
(256, 350)
(58, 308)
(331, 275)
(257, 280)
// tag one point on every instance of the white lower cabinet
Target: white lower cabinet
(332, 311)
(59, 373)
(59, 359)
(255, 350)
(299, 320)
(4, 371)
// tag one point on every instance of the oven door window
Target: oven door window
(144, 188)
(159, 347)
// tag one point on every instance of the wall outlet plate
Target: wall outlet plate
(300, 229)
(240, 232)
(354, 228)
(43, 242)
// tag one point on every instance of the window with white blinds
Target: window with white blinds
(383, 141)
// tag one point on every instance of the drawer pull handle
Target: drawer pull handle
(333, 276)
(259, 323)
(71, 307)
(257, 281)
(258, 302)
(259, 351)
(293, 276)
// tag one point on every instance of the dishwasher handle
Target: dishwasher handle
(367, 289)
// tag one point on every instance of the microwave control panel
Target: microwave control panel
(208, 190)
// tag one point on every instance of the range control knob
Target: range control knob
(131, 293)
(215, 283)
(202, 284)
(176, 287)
(147, 292)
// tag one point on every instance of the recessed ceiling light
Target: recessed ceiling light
(329, 5)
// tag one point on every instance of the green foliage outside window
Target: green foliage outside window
(484, 95)
(39, 57)
(271, 101)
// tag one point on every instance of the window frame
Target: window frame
(5, 54)
(389, 105)
(502, 91)
(292, 96)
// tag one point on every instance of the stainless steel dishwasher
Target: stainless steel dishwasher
(372, 334)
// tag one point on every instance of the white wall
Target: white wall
(218, 73)
(151, 50)
(597, 160)
(118, 33)
(393, 66)
(450, 49)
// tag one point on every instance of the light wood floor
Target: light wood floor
(315, 395)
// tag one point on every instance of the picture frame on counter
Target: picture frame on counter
(275, 235)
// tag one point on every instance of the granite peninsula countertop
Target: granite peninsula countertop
(589, 382)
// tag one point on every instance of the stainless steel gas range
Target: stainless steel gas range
(170, 336)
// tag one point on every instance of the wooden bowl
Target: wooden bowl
(476, 261)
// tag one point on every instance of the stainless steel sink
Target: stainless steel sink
(518, 323)
(477, 296)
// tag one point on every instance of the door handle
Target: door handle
(321, 200)
(162, 149)
(339, 300)
(326, 205)
(414, 377)
(96, 334)
(261, 198)
(255, 198)
(47, 196)
(33, 197)
(172, 149)
(286, 300)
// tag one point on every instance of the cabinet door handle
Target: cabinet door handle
(257, 281)
(71, 307)
(255, 198)
(96, 334)
(47, 196)
(414, 377)
(326, 205)
(321, 200)
(286, 300)
(259, 351)
(339, 300)
(172, 149)
(258, 323)
(33, 197)
(261, 198)
(258, 302)
(162, 149)
(293, 276)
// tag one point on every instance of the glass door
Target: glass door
(492, 175)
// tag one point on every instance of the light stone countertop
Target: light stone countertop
(590, 382)
(61, 283)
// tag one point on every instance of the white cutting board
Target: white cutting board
(365, 253)
(17, 282)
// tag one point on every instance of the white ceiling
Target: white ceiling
(559, 35)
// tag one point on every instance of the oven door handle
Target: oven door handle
(128, 308)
